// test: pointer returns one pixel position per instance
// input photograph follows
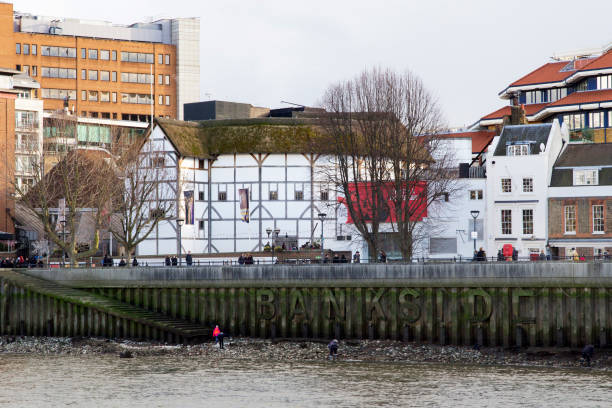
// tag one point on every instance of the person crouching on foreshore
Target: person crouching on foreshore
(333, 349)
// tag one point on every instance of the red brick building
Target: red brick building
(580, 201)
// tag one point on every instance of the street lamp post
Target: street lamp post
(276, 232)
(474, 214)
(179, 223)
(269, 231)
(322, 218)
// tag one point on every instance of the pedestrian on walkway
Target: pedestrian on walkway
(189, 259)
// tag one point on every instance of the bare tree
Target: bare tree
(141, 199)
(387, 160)
(79, 185)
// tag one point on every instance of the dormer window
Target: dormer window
(586, 177)
(517, 150)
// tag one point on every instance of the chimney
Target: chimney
(517, 115)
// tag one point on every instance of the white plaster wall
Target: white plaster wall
(538, 167)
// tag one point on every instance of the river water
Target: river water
(170, 381)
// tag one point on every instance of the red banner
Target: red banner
(362, 195)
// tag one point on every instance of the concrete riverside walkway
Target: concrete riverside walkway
(180, 330)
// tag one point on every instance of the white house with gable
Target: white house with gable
(519, 167)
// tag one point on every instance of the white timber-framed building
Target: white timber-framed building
(287, 189)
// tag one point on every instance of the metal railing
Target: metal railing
(27, 147)
(26, 125)
(304, 262)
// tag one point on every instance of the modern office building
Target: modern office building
(28, 130)
(104, 70)
(575, 89)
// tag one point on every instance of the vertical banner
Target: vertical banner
(188, 207)
(244, 204)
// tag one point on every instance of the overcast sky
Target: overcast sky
(262, 52)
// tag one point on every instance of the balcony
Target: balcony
(467, 171)
(26, 126)
(589, 135)
(27, 147)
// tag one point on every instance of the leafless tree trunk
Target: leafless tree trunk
(387, 160)
(141, 202)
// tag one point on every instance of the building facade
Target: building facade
(456, 223)
(102, 70)
(28, 131)
(519, 167)
(575, 89)
(8, 95)
(580, 201)
(286, 190)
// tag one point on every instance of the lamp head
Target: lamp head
(322, 216)
(180, 221)
(475, 213)
(269, 230)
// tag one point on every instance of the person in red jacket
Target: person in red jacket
(218, 335)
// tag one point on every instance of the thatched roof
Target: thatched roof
(262, 135)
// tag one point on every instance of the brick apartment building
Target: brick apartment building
(580, 201)
(105, 70)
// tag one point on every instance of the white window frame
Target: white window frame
(569, 210)
(598, 221)
(517, 150)
(596, 117)
(530, 185)
(501, 185)
(475, 195)
(586, 177)
(503, 222)
(523, 211)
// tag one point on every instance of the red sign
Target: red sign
(362, 196)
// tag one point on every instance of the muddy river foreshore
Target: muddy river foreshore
(308, 350)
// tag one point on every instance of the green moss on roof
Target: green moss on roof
(269, 135)
(185, 136)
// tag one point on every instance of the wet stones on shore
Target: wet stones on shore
(306, 350)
